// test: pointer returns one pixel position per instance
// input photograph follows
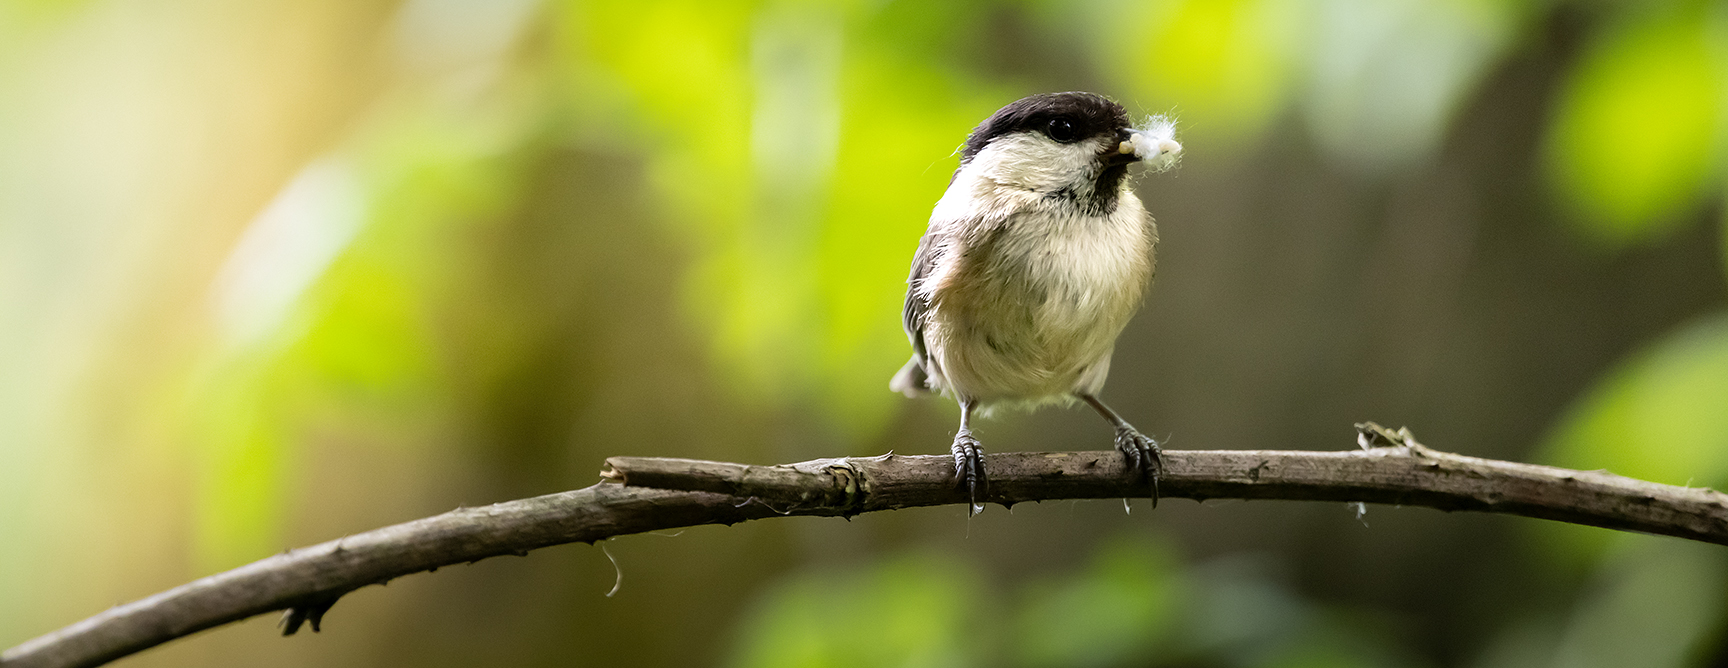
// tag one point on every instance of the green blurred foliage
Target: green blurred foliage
(1637, 138)
(1386, 78)
(796, 215)
(1227, 67)
(915, 610)
(1654, 602)
(361, 348)
(1659, 417)
(583, 228)
(1120, 608)
(1135, 603)
(1658, 605)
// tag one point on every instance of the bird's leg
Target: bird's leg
(969, 458)
(1142, 453)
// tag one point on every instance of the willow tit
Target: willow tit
(1034, 261)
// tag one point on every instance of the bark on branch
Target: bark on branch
(646, 494)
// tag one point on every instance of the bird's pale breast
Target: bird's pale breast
(1031, 314)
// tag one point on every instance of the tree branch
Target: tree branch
(647, 494)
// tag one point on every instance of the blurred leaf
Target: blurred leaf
(1525, 643)
(369, 344)
(1119, 609)
(800, 219)
(1656, 602)
(1659, 417)
(360, 341)
(916, 610)
(1386, 76)
(240, 465)
(1657, 605)
(896, 151)
(1723, 224)
(1239, 611)
(1224, 67)
(1136, 603)
(1240, 614)
(1633, 147)
(683, 71)
(19, 18)
(1327, 650)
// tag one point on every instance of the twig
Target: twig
(648, 494)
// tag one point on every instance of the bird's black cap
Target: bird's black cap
(1087, 115)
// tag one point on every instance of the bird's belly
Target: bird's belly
(1028, 340)
(993, 366)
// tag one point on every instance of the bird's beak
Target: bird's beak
(1157, 152)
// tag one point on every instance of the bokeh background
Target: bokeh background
(274, 272)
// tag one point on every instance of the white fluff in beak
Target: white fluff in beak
(1154, 143)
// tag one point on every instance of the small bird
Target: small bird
(1035, 259)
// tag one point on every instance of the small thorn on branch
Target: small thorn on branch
(309, 612)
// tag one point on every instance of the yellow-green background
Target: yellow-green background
(275, 272)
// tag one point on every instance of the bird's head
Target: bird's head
(1066, 144)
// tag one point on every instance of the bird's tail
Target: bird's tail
(912, 379)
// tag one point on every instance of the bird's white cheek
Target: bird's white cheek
(1032, 162)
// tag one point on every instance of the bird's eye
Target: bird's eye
(1060, 129)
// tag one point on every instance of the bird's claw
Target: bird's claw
(969, 467)
(1143, 455)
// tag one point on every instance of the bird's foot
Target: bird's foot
(1142, 454)
(969, 467)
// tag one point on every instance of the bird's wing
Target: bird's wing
(916, 303)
